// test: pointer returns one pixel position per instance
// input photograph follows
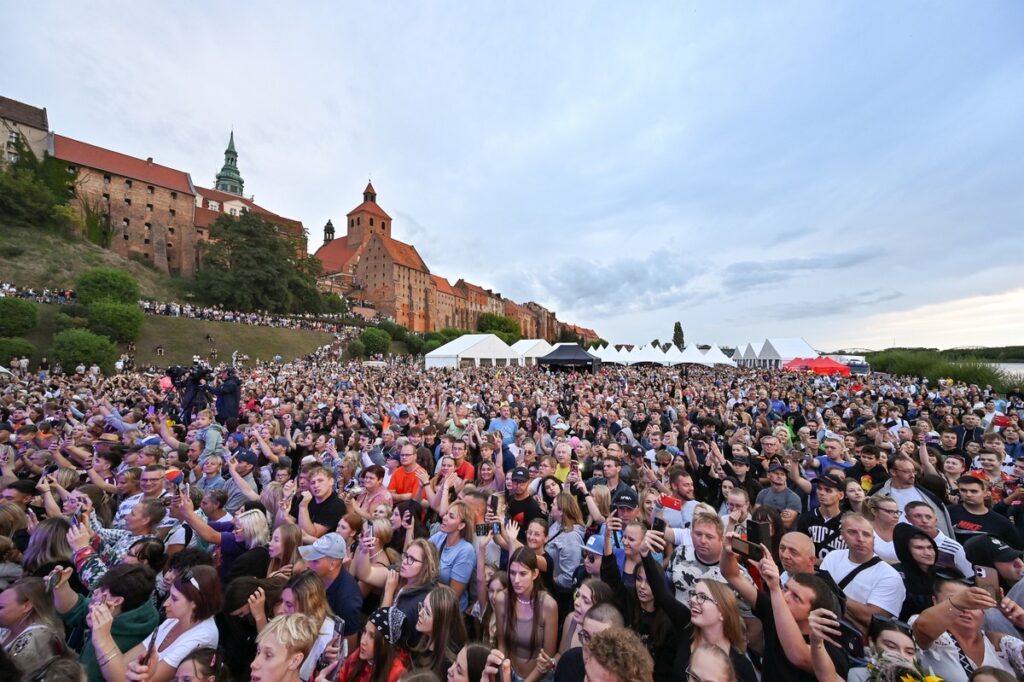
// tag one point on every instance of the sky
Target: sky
(849, 172)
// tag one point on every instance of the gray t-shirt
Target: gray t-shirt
(786, 499)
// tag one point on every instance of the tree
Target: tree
(106, 284)
(657, 343)
(249, 265)
(73, 346)
(120, 322)
(356, 349)
(376, 341)
(503, 327)
(431, 346)
(414, 343)
(678, 339)
(17, 316)
(14, 348)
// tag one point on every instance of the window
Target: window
(199, 231)
(12, 137)
(358, 221)
(106, 178)
(173, 213)
(383, 224)
(127, 183)
(126, 222)
(371, 222)
(106, 196)
(234, 211)
(214, 206)
(12, 157)
(149, 189)
(174, 195)
(149, 207)
(148, 226)
(146, 240)
(170, 230)
(72, 169)
(127, 201)
(126, 236)
(351, 222)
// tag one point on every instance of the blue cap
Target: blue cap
(595, 545)
(246, 455)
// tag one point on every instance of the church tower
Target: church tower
(367, 219)
(328, 232)
(229, 179)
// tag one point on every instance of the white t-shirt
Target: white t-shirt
(306, 672)
(943, 658)
(886, 550)
(879, 585)
(199, 635)
(903, 497)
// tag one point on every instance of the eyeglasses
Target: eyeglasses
(699, 598)
(410, 559)
(692, 677)
(889, 511)
(585, 637)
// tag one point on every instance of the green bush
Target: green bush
(121, 322)
(14, 348)
(395, 331)
(62, 322)
(932, 366)
(73, 346)
(414, 343)
(106, 284)
(376, 341)
(356, 349)
(17, 316)
(431, 346)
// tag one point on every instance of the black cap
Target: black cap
(519, 474)
(775, 466)
(403, 414)
(626, 498)
(986, 550)
(740, 460)
(637, 451)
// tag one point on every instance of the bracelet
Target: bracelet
(107, 655)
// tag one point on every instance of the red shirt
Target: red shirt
(398, 667)
(405, 483)
(466, 471)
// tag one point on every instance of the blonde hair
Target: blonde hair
(710, 519)
(602, 495)
(571, 514)
(296, 632)
(254, 527)
(310, 595)
(732, 622)
(430, 568)
(271, 498)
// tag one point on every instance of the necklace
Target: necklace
(524, 602)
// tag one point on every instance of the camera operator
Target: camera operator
(228, 392)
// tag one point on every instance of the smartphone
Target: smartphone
(574, 466)
(659, 524)
(987, 578)
(481, 530)
(150, 651)
(757, 532)
(747, 549)
(851, 641)
(50, 582)
(151, 410)
(671, 502)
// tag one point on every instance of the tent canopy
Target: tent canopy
(569, 355)
(828, 366)
(529, 350)
(715, 356)
(796, 363)
(472, 350)
(651, 354)
(691, 355)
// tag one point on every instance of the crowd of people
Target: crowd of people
(328, 323)
(317, 520)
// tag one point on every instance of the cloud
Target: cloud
(747, 275)
(845, 304)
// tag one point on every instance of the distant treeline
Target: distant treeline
(994, 354)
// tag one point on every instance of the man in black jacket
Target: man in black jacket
(229, 395)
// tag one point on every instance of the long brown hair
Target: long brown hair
(439, 648)
(291, 538)
(732, 623)
(384, 655)
(528, 558)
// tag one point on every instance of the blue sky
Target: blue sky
(847, 172)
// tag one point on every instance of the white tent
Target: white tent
(623, 356)
(715, 356)
(691, 355)
(472, 350)
(751, 354)
(607, 354)
(673, 355)
(529, 350)
(778, 351)
(648, 354)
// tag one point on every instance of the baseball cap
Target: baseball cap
(280, 440)
(740, 459)
(626, 498)
(246, 455)
(560, 426)
(776, 467)
(830, 480)
(637, 451)
(986, 550)
(329, 546)
(595, 544)
(520, 474)
(403, 414)
(238, 437)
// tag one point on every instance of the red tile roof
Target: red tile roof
(336, 256)
(463, 284)
(369, 189)
(91, 156)
(26, 114)
(204, 217)
(293, 226)
(369, 207)
(403, 254)
(445, 287)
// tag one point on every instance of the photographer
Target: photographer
(228, 394)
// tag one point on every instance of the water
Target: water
(1015, 368)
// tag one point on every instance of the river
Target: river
(1016, 368)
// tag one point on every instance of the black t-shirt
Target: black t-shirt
(964, 522)
(327, 513)
(825, 534)
(570, 666)
(522, 512)
(775, 659)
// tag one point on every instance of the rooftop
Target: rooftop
(91, 156)
(26, 114)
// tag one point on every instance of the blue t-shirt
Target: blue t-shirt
(345, 600)
(457, 563)
(508, 428)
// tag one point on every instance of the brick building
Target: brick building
(24, 123)
(368, 264)
(147, 207)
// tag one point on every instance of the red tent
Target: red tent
(828, 366)
(797, 364)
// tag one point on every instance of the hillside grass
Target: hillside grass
(38, 259)
(183, 338)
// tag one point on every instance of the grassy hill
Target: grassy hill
(35, 258)
(183, 338)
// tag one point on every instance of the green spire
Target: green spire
(229, 179)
